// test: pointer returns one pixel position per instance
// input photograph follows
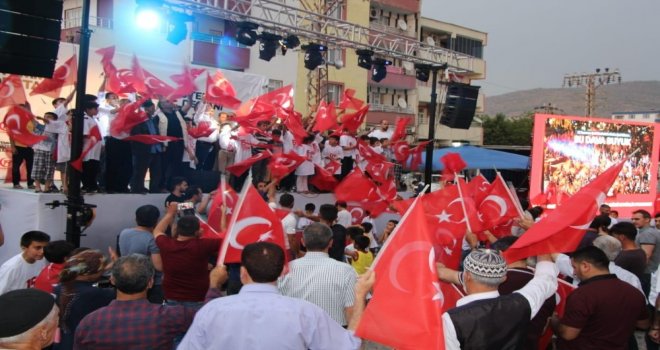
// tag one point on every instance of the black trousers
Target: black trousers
(90, 175)
(142, 163)
(118, 165)
(206, 155)
(22, 154)
(346, 166)
(173, 162)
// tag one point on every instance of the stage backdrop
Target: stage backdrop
(568, 152)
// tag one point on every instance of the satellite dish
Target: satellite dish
(402, 102)
(402, 24)
(430, 41)
(409, 66)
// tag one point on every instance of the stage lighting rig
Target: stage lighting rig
(148, 14)
(178, 27)
(313, 55)
(365, 59)
(422, 72)
(379, 69)
(247, 33)
(288, 43)
(268, 46)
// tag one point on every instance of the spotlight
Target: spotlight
(179, 29)
(422, 72)
(313, 56)
(364, 58)
(379, 70)
(268, 46)
(147, 14)
(290, 42)
(247, 33)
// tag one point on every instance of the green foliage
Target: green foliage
(501, 130)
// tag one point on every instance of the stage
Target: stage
(24, 210)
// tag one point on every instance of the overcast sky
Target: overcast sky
(533, 43)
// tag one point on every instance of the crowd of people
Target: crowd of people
(205, 139)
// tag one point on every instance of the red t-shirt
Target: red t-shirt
(185, 267)
(48, 277)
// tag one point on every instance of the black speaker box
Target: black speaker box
(30, 36)
(460, 105)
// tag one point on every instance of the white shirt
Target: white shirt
(105, 115)
(380, 134)
(60, 128)
(536, 291)
(16, 273)
(335, 153)
(564, 265)
(348, 141)
(95, 152)
(344, 218)
(288, 224)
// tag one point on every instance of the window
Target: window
(335, 55)
(274, 84)
(422, 118)
(646, 116)
(337, 10)
(72, 18)
(375, 97)
(468, 46)
(334, 92)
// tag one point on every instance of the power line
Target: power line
(592, 81)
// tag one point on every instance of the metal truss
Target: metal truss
(278, 16)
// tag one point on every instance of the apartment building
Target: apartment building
(639, 116)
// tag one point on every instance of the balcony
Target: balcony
(373, 107)
(392, 30)
(396, 79)
(71, 27)
(403, 6)
(219, 51)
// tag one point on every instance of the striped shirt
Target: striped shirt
(323, 281)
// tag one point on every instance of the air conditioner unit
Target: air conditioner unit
(373, 13)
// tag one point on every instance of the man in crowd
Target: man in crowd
(648, 238)
(132, 322)
(171, 123)
(320, 279)
(21, 153)
(486, 320)
(179, 188)
(147, 157)
(348, 143)
(328, 217)
(383, 131)
(259, 170)
(274, 321)
(603, 311)
(288, 222)
(631, 258)
(55, 253)
(117, 163)
(344, 216)
(140, 240)
(21, 270)
(28, 319)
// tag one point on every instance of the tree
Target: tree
(501, 130)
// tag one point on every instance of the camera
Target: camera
(185, 209)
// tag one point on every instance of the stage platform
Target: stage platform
(24, 210)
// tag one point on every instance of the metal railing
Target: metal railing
(99, 22)
(215, 39)
(376, 107)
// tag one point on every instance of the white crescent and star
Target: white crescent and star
(64, 76)
(459, 200)
(400, 255)
(10, 89)
(244, 223)
(499, 201)
(354, 218)
(13, 117)
(600, 199)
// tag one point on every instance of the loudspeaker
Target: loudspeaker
(460, 105)
(30, 36)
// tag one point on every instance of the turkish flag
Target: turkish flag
(128, 116)
(416, 153)
(119, 80)
(400, 128)
(146, 83)
(295, 126)
(470, 207)
(401, 151)
(185, 82)
(326, 117)
(357, 214)
(64, 75)
(369, 154)
(151, 139)
(202, 129)
(224, 195)
(188, 73)
(107, 53)
(562, 230)
(564, 289)
(239, 168)
(219, 91)
(405, 311)
(91, 140)
(348, 101)
(16, 122)
(283, 164)
(352, 121)
(453, 163)
(11, 91)
(323, 179)
(279, 98)
(380, 172)
(253, 221)
(354, 187)
(208, 231)
(497, 207)
(252, 111)
(332, 166)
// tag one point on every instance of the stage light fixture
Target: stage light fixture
(247, 33)
(379, 69)
(365, 58)
(313, 55)
(422, 72)
(148, 14)
(268, 46)
(178, 27)
(290, 42)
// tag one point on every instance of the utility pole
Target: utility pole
(548, 108)
(592, 82)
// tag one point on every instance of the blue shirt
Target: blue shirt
(157, 148)
(260, 318)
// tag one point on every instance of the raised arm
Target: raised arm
(166, 220)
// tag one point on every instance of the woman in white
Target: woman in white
(304, 170)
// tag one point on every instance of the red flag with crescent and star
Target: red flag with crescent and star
(400, 128)
(349, 101)
(128, 116)
(11, 91)
(353, 121)
(283, 164)
(224, 195)
(406, 308)
(239, 168)
(203, 129)
(220, 91)
(355, 187)
(91, 140)
(401, 151)
(64, 75)
(323, 179)
(562, 230)
(497, 207)
(326, 117)
(253, 221)
(16, 122)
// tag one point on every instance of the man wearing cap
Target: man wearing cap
(28, 319)
(485, 320)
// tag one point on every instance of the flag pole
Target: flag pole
(460, 195)
(232, 222)
(514, 199)
(396, 229)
